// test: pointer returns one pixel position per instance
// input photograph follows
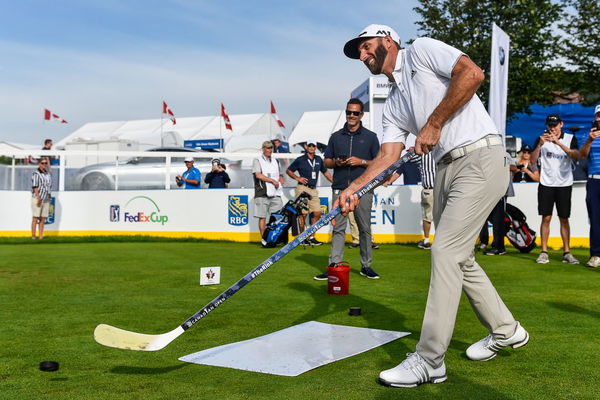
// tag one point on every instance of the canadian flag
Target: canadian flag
(275, 115)
(226, 118)
(50, 116)
(167, 110)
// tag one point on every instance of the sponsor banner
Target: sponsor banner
(237, 210)
(208, 213)
(499, 78)
(138, 209)
(324, 204)
(206, 144)
(51, 211)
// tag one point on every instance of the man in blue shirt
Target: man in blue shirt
(349, 152)
(591, 150)
(191, 177)
(308, 167)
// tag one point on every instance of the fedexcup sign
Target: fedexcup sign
(139, 209)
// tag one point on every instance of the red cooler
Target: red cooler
(338, 277)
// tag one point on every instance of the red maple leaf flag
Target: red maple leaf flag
(167, 110)
(50, 116)
(226, 118)
(275, 115)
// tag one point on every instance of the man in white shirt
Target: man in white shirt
(554, 151)
(268, 184)
(433, 97)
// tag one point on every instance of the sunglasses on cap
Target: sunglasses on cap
(355, 113)
(311, 145)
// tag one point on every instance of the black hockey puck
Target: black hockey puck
(49, 366)
(354, 311)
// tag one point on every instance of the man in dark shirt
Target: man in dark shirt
(308, 167)
(217, 177)
(349, 152)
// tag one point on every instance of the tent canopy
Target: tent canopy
(319, 125)
(529, 127)
(148, 132)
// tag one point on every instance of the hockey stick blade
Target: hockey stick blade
(111, 336)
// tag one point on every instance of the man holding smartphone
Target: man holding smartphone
(591, 150)
(349, 152)
(555, 150)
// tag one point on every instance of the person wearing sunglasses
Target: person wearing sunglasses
(433, 96)
(525, 170)
(191, 177)
(308, 167)
(41, 186)
(349, 152)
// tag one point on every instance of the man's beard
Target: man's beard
(380, 55)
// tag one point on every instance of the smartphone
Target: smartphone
(343, 157)
(595, 124)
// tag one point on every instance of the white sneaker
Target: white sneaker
(488, 347)
(593, 262)
(412, 372)
(569, 259)
(542, 258)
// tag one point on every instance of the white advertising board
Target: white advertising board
(228, 214)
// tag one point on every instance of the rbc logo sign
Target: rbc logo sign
(324, 202)
(238, 210)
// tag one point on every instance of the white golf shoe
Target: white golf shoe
(488, 347)
(593, 262)
(412, 372)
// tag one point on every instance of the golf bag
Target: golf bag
(518, 233)
(280, 222)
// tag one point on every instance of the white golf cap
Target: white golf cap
(597, 109)
(371, 31)
(311, 141)
(187, 159)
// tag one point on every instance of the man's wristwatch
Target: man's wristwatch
(364, 162)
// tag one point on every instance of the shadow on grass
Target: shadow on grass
(572, 308)
(318, 262)
(146, 370)
(374, 314)
(456, 387)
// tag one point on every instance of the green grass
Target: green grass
(53, 294)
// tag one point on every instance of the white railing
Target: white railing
(19, 172)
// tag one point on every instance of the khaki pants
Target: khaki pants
(465, 192)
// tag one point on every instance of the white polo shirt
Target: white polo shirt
(422, 76)
(556, 166)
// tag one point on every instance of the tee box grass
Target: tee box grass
(54, 292)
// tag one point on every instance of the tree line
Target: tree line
(554, 48)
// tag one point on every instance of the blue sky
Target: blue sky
(108, 60)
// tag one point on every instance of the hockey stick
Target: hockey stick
(115, 337)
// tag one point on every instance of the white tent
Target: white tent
(8, 146)
(319, 125)
(148, 133)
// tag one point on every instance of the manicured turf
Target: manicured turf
(53, 294)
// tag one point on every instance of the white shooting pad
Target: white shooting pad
(295, 350)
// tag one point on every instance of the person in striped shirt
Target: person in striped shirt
(41, 184)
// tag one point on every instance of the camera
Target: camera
(595, 124)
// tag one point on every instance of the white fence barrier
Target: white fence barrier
(229, 213)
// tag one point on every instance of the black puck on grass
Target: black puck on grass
(49, 366)
(354, 311)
